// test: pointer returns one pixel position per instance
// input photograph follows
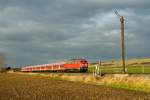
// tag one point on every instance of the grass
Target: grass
(133, 66)
(118, 70)
(128, 86)
(129, 62)
(138, 83)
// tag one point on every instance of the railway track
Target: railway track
(62, 73)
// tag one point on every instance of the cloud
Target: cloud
(37, 32)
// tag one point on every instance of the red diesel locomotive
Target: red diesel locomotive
(73, 64)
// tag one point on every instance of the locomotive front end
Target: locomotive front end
(84, 65)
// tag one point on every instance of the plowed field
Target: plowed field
(25, 87)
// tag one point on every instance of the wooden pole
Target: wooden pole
(122, 43)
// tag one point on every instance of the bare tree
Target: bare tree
(2, 63)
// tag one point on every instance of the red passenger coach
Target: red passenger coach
(73, 64)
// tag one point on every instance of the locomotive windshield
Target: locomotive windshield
(83, 61)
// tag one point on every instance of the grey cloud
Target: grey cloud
(43, 31)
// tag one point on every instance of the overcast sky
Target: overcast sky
(44, 31)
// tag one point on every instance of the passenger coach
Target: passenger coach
(73, 64)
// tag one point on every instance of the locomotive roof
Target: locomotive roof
(78, 59)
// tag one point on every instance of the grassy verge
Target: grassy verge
(129, 86)
(138, 83)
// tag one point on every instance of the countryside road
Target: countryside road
(25, 87)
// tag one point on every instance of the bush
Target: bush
(2, 63)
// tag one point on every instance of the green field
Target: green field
(118, 70)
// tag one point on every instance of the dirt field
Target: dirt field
(25, 87)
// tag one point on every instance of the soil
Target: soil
(25, 87)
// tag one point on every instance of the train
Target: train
(80, 65)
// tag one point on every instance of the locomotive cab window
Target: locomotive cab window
(83, 61)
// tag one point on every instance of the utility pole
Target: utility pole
(122, 40)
